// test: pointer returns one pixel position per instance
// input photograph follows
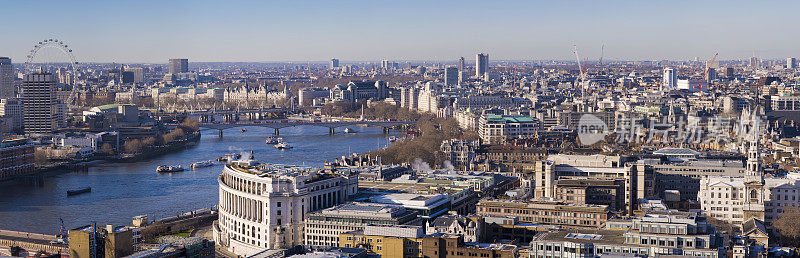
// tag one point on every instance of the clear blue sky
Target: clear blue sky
(154, 31)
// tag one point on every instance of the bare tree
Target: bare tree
(788, 225)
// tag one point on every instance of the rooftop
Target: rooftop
(676, 151)
(510, 118)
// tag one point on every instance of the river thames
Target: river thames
(121, 191)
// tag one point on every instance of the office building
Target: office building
(638, 177)
(737, 199)
(791, 63)
(481, 64)
(358, 90)
(409, 97)
(264, 206)
(730, 72)
(657, 233)
(307, 96)
(451, 76)
(461, 72)
(334, 63)
(670, 79)
(322, 228)
(608, 192)
(138, 74)
(711, 75)
(542, 211)
(460, 153)
(684, 176)
(109, 242)
(449, 245)
(480, 102)
(7, 87)
(40, 106)
(785, 103)
(427, 206)
(396, 241)
(754, 62)
(11, 112)
(386, 65)
(497, 129)
(16, 158)
(177, 66)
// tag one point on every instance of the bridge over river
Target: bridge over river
(331, 124)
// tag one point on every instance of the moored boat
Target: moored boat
(273, 140)
(228, 157)
(169, 169)
(202, 164)
(79, 191)
(282, 146)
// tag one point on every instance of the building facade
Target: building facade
(263, 206)
(40, 106)
(547, 212)
(450, 76)
(7, 87)
(639, 179)
(497, 129)
(16, 158)
(481, 64)
(322, 228)
(11, 110)
(178, 65)
(386, 241)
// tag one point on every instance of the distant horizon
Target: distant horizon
(151, 31)
(468, 63)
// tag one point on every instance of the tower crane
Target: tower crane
(578, 58)
(708, 66)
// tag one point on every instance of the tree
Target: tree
(40, 157)
(107, 149)
(133, 146)
(189, 125)
(788, 225)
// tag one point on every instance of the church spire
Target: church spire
(754, 173)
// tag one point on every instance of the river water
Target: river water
(121, 191)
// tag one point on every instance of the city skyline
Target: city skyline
(248, 31)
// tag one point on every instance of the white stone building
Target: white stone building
(263, 206)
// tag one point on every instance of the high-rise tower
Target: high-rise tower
(7, 88)
(669, 80)
(450, 76)
(40, 106)
(178, 66)
(481, 64)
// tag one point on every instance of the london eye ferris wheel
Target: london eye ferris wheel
(53, 55)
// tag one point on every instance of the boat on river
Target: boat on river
(79, 191)
(202, 164)
(169, 169)
(282, 146)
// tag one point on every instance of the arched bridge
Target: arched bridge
(277, 125)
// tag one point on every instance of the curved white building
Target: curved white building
(263, 206)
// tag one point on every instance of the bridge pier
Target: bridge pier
(277, 131)
(331, 131)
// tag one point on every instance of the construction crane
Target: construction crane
(708, 66)
(578, 58)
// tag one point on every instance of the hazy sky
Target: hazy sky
(154, 31)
